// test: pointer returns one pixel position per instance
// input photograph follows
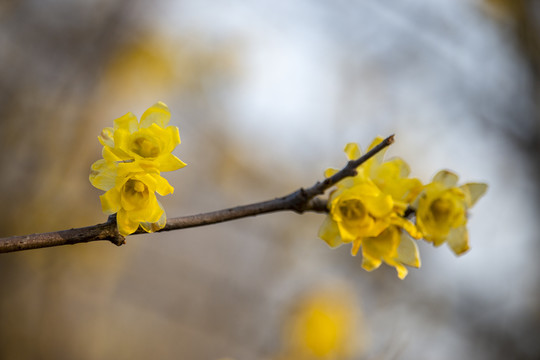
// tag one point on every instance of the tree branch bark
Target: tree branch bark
(299, 201)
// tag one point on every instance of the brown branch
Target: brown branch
(105, 231)
(299, 201)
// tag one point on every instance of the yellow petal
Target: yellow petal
(378, 158)
(150, 180)
(329, 172)
(447, 178)
(369, 263)
(130, 168)
(150, 227)
(409, 189)
(163, 218)
(437, 240)
(407, 252)
(157, 114)
(400, 167)
(347, 183)
(406, 225)
(162, 185)
(103, 175)
(353, 151)
(127, 123)
(155, 226)
(356, 246)
(172, 135)
(475, 191)
(157, 212)
(107, 137)
(402, 271)
(375, 142)
(379, 225)
(458, 240)
(110, 201)
(169, 162)
(329, 232)
(122, 144)
(379, 206)
(150, 213)
(350, 231)
(363, 187)
(126, 226)
(383, 246)
(113, 154)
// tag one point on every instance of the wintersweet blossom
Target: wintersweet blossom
(441, 210)
(130, 193)
(134, 155)
(391, 176)
(368, 210)
(357, 209)
(150, 141)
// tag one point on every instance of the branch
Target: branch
(299, 201)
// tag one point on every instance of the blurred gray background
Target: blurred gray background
(266, 94)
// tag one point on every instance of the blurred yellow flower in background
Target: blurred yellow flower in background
(441, 210)
(324, 324)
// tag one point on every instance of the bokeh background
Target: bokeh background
(266, 94)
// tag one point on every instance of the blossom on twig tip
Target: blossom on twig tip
(366, 210)
(371, 210)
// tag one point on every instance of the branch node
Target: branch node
(351, 172)
(118, 240)
(115, 237)
(318, 205)
(300, 201)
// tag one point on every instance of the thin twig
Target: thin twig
(299, 201)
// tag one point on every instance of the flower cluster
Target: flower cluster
(371, 210)
(134, 155)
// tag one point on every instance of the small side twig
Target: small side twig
(299, 201)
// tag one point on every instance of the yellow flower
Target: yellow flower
(367, 210)
(357, 209)
(441, 210)
(150, 141)
(390, 176)
(393, 246)
(134, 154)
(130, 192)
(363, 215)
